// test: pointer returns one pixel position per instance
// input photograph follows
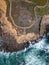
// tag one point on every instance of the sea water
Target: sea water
(36, 54)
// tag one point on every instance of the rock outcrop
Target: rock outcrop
(27, 37)
(10, 40)
(44, 25)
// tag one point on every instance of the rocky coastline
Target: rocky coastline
(9, 39)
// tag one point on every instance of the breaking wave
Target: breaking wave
(37, 54)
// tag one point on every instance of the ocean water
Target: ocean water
(37, 54)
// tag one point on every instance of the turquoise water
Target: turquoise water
(37, 54)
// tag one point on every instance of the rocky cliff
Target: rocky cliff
(44, 29)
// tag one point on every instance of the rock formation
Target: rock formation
(10, 40)
(44, 25)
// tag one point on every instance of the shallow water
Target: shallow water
(37, 54)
